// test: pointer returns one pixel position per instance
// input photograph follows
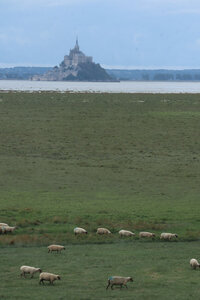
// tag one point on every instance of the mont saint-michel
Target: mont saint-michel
(76, 67)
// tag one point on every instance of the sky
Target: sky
(125, 34)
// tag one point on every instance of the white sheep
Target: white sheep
(57, 248)
(44, 276)
(118, 280)
(146, 234)
(194, 263)
(29, 270)
(79, 230)
(126, 233)
(2, 227)
(168, 236)
(103, 231)
(9, 229)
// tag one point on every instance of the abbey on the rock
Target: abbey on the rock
(76, 67)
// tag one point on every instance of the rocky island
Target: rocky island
(76, 67)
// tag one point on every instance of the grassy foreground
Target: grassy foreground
(126, 161)
(116, 160)
(160, 271)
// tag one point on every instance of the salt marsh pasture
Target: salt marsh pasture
(126, 161)
(121, 161)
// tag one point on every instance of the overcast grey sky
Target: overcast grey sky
(119, 33)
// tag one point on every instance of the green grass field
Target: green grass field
(121, 161)
(159, 270)
(116, 160)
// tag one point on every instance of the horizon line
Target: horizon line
(108, 67)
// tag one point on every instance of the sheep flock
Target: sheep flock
(112, 280)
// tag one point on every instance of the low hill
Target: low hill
(87, 71)
(156, 75)
(22, 73)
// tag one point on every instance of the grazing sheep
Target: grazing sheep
(168, 236)
(2, 227)
(9, 229)
(29, 270)
(103, 231)
(3, 224)
(194, 263)
(57, 248)
(146, 234)
(126, 233)
(79, 230)
(118, 280)
(48, 277)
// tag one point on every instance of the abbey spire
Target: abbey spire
(76, 46)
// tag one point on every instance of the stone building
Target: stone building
(76, 57)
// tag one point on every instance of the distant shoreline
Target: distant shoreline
(193, 75)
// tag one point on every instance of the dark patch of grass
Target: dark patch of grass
(142, 225)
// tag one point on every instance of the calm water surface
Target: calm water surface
(101, 87)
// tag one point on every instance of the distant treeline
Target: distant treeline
(22, 73)
(156, 75)
(26, 73)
